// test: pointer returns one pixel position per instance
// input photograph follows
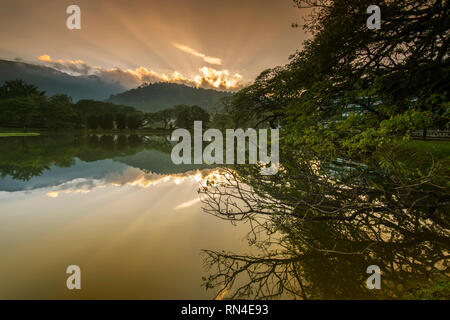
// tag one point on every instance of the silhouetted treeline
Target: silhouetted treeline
(107, 116)
(24, 106)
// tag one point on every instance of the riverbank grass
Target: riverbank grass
(18, 134)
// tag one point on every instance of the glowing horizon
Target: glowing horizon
(206, 77)
(209, 44)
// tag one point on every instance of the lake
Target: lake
(133, 222)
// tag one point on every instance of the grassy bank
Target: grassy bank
(437, 289)
(424, 148)
(18, 134)
(143, 131)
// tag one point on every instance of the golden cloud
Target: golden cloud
(207, 77)
(74, 67)
(207, 59)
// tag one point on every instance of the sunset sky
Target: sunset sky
(207, 43)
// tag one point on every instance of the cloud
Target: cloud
(217, 79)
(206, 77)
(189, 203)
(207, 59)
(74, 67)
(131, 177)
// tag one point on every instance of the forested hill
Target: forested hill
(56, 82)
(158, 96)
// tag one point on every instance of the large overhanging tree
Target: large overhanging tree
(405, 62)
(351, 182)
(347, 103)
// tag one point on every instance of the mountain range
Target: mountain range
(54, 81)
(163, 95)
(148, 98)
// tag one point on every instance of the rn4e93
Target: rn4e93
(250, 309)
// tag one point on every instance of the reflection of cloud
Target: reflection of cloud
(207, 59)
(131, 177)
(129, 78)
(55, 194)
(187, 204)
(81, 185)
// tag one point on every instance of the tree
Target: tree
(100, 109)
(18, 88)
(20, 104)
(165, 116)
(199, 114)
(135, 121)
(59, 113)
(186, 115)
(19, 112)
(220, 117)
(121, 121)
(92, 122)
(403, 64)
(107, 121)
(347, 103)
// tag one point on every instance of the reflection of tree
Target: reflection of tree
(313, 190)
(25, 157)
(306, 255)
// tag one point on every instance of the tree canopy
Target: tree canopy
(352, 183)
(22, 105)
(347, 103)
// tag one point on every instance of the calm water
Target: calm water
(118, 208)
(135, 233)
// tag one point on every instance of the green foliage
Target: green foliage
(221, 118)
(24, 106)
(186, 115)
(92, 122)
(183, 116)
(164, 117)
(121, 121)
(135, 121)
(18, 88)
(19, 134)
(58, 112)
(20, 112)
(107, 115)
(107, 121)
(437, 289)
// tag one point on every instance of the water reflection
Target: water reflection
(23, 158)
(117, 207)
(318, 258)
